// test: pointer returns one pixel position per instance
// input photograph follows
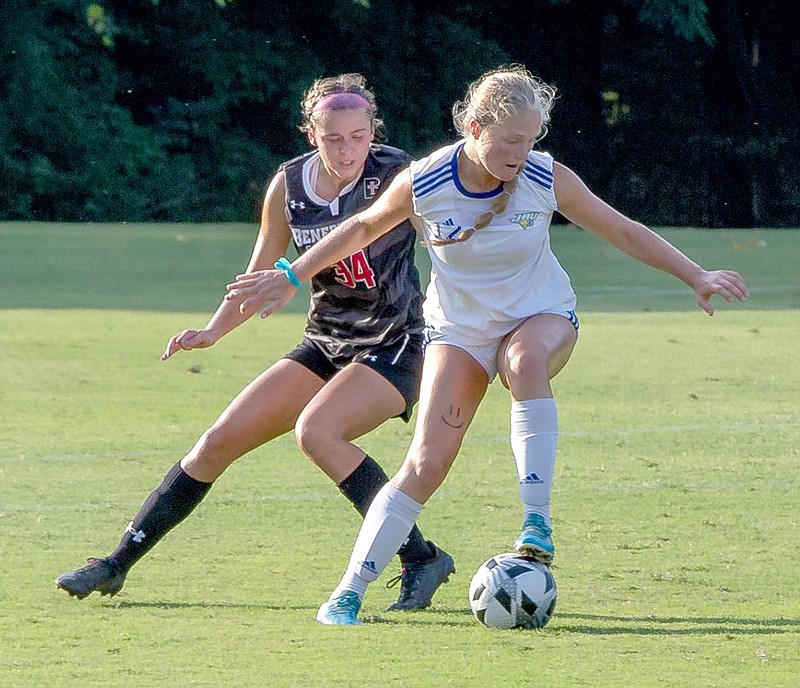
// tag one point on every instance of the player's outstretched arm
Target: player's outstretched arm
(270, 290)
(271, 243)
(579, 205)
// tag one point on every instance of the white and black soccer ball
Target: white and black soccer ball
(511, 591)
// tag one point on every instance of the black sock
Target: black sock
(164, 509)
(361, 486)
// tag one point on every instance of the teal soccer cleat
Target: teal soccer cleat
(534, 541)
(341, 610)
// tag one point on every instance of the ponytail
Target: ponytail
(499, 204)
(498, 207)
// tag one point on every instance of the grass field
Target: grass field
(675, 503)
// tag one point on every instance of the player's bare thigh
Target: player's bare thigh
(534, 353)
(267, 408)
(453, 385)
(354, 402)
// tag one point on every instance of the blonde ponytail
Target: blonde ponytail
(499, 204)
(498, 207)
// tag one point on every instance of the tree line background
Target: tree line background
(679, 112)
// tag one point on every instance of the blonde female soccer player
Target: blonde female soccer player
(498, 303)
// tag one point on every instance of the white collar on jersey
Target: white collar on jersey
(310, 177)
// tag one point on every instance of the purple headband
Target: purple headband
(342, 101)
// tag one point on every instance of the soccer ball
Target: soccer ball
(511, 591)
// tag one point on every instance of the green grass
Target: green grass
(158, 267)
(675, 499)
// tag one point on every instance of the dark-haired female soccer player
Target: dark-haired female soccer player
(357, 366)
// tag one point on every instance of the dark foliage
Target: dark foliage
(679, 113)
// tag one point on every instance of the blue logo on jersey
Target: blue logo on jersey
(445, 230)
(525, 220)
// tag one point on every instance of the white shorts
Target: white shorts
(486, 352)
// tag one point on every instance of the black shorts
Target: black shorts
(400, 363)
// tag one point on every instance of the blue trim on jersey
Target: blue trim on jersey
(538, 174)
(460, 187)
(573, 318)
(432, 180)
(439, 176)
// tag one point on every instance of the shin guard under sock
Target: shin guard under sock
(361, 486)
(165, 508)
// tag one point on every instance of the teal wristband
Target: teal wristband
(286, 266)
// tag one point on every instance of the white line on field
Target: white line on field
(130, 454)
(445, 492)
(741, 427)
(131, 505)
(283, 443)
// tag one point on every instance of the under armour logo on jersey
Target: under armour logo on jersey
(297, 205)
(531, 479)
(138, 535)
(371, 186)
(525, 220)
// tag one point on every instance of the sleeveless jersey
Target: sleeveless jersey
(482, 287)
(374, 296)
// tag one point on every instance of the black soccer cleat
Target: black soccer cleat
(101, 575)
(419, 581)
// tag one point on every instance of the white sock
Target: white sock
(534, 439)
(386, 526)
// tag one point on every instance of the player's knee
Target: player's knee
(427, 469)
(524, 361)
(216, 447)
(312, 435)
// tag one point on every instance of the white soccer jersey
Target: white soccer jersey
(482, 288)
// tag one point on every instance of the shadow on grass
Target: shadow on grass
(256, 606)
(567, 622)
(424, 617)
(598, 624)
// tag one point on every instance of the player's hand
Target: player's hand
(268, 290)
(187, 340)
(727, 283)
